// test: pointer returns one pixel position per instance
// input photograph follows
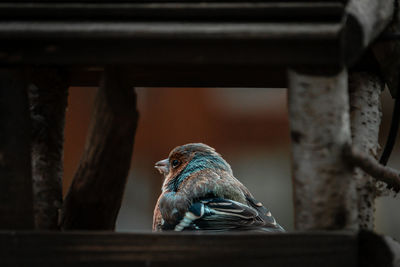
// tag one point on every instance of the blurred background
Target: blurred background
(249, 127)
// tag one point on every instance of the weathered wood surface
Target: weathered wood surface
(365, 115)
(210, 35)
(375, 250)
(324, 191)
(94, 198)
(394, 249)
(148, 249)
(16, 211)
(387, 53)
(168, 33)
(162, 43)
(389, 176)
(184, 43)
(48, 95)
(366, 19)
(182, 10)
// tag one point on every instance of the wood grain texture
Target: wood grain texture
(324, 191)
(365, 115)
(310, 249)
(95, 196)
(375, 250)
(387, 54)
(246, 44)
(16, 211)
(174, 10)
(389, 176)
(205, 43)
(146, 249)
(366, 20)
(48, 93)
(159, 33)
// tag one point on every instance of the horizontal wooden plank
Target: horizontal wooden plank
(166, 10)
(171, 249)
(167, 1)
(171, 44)
(67, 31)
(172, 33)
(188, 35)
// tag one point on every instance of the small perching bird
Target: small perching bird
(200, 193)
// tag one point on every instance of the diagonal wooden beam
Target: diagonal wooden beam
(48, 95)
(95, 196)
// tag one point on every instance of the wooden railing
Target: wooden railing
(312, 47)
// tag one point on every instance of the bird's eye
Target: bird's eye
(175, 163)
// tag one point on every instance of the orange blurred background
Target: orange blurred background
(248, 126)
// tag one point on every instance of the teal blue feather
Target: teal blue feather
(200, 161)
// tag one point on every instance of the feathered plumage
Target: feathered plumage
(200, 193)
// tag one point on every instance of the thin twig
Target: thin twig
(371, 166)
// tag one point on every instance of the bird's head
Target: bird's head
(186, 160)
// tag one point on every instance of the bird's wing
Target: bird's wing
(263, 213)
(217, 214)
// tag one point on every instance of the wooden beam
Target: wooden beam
(388, 176)
(166, 43)
(177, 43)
(366, 19)
(48, 95)
(387, 53)
(311, 249)
(375, 250)
(95, 196)
(175, 10)
(16, 211)
(172, 249)
(365, 115)
(324, 191)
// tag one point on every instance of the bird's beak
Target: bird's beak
(162, 166)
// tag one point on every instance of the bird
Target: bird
(200, 193)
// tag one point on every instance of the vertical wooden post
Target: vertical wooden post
(365, 113)
(16, 210)
(324, 191)
(48, 95)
